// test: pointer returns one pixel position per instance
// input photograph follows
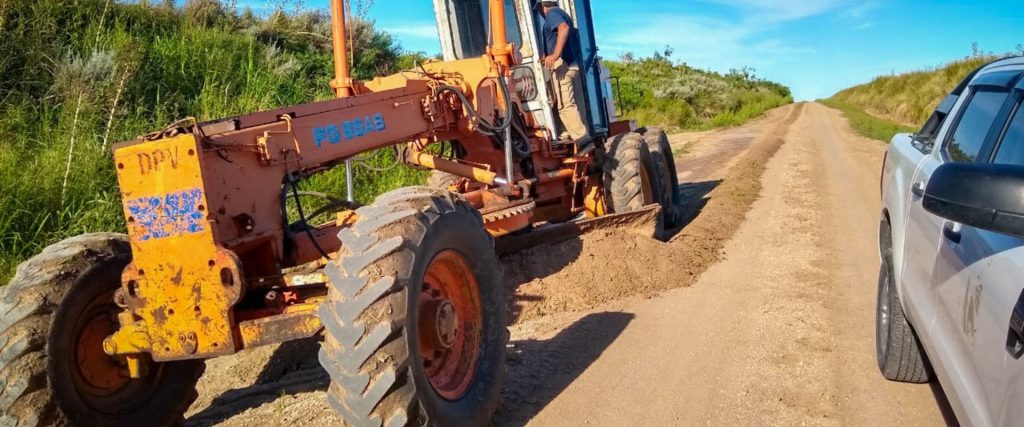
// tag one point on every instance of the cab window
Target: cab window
(471, 22)
(1011, 149)
(975, 123)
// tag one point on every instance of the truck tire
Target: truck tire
(898, 350)
(414, 321)
(54, 316)
(665, 166)
(441, 180)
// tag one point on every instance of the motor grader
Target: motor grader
(407, 292)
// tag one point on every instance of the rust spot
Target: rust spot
(177, 277)
(159, 316)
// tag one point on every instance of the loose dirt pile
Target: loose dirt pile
(614, 264)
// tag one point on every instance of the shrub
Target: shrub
(654, 91)
(78, 76)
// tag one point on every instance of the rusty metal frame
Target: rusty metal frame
(203, 201)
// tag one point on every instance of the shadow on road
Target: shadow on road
(539, 370)
(524, 267)
(694, 197)
(293, 369)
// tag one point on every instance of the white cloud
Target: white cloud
(746, 33)
(860, 11)
(778, 11)
(716, 43)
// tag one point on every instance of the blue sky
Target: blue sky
(816, 47)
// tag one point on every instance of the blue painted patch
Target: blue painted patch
(169, 215)
(350, 129)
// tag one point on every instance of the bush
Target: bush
(654, 91)
(76, 77)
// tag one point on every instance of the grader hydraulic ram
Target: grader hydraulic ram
(406, 292)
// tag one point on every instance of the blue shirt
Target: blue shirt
(556, 17)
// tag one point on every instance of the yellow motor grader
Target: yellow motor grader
(407, 292)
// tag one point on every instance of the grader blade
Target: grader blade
(644, 222)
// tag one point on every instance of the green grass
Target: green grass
(866, 124)
(654, 91)
(78, 76)
(910, 98)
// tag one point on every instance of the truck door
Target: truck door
(935, 307)
(978, 279)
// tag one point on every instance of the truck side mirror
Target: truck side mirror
(985, 196)
(524, 82)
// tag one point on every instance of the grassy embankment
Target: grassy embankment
(866, 124)
(655, 91)
(76, 77)
(901, 103)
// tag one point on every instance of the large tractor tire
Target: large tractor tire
(665, 169)
(415, 329)
(631, 177)
(54, 316)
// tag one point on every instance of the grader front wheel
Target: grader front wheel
(415, 319)
(54, 316)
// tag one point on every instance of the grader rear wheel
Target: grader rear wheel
(55, 314)
(631, 177)
(415, 318)
(668, 180)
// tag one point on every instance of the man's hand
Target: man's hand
(549, 62)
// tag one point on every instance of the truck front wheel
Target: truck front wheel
(899, 352)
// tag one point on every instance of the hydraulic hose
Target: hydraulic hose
(487, 128)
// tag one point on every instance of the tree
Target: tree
(204, 13)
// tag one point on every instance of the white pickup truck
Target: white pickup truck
(950, 302)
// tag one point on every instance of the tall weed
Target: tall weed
(79, 76)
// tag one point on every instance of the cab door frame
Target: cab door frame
(541, 107)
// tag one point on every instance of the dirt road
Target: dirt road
(760, 311)
(780, 332)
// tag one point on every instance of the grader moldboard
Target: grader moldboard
(407, 292)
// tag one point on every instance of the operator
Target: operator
(561, 58)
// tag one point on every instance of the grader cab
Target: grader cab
(406, 292)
